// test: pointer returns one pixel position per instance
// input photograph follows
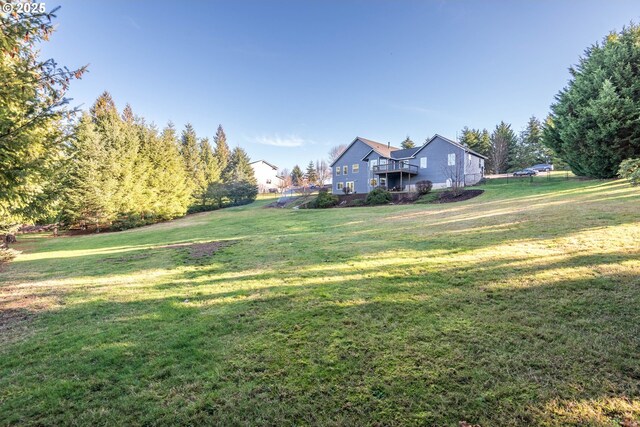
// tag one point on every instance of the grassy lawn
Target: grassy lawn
(518, 307)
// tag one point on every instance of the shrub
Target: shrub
(423, 187)
(630, 169)
(346, 190)
(324, 200)
(378, 196)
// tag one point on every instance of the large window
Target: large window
(355, 168)
(338, 170)
(383, 161)
(345, 170)
(340, 186)
(452, 159)
(373, 163)
(350, 186)
(423, 162)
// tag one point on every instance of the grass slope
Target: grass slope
(518, 307)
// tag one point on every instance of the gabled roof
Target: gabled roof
(457, 144)
(382, 149)
(264, 161)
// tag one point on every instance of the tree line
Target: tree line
(506, 150)
(118, 171)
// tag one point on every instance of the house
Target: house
(367, 164)
(266, 176)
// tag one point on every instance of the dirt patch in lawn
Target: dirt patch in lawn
(450, 197)
(201, 250)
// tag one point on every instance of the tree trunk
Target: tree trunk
(8, 238)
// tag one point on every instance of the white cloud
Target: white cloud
(277, 141)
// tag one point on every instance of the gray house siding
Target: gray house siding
(468, 168)
(352, 156)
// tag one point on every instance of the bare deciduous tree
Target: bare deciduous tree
(454, 175)
(323, 170)
(335, 152)
(499, 153)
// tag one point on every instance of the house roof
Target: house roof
(382, 149)
(404, 153)
(457, 144)
(264, 161)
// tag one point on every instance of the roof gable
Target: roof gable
(450, 141)
(382, 149)
(274, 167)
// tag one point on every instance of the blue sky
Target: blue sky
(289, 79)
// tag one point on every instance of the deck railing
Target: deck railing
(395, 166)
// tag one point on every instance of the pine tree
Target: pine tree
(407, 143)
(530, 149)
(296, 175)
(502, 139)
(312, 173)
(239, 168)
(476, 139)
(594, 121)
(221, 151)
(89, 185)
(210, 168)
(32, 112)
(190, 152)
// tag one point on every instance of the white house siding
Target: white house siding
(266, 176)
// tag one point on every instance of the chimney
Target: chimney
(389, 145)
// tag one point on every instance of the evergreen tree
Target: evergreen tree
(504, 144)
(530, 149)
(90, 187)
(296, 176)
(312, 173)
(221, 151)
(407, 143)
(594, 120)
(239, 168)
(190, 152)
(32, 112)
(502, 139)
(210, 168)
(167, 182)
(476, 139)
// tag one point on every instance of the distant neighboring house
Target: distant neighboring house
(267, 176)
(367, 164)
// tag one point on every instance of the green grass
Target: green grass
(518, 307)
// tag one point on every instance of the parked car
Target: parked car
(542, 167)
(525, 172)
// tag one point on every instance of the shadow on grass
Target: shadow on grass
(434, 347)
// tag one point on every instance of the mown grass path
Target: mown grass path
(518, 307)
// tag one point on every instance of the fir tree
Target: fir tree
(407, 143)
(296, 176)
(210, 168)
(190, 152)
(239, 168)
(312, 173)
(33, 108)
(221, 151)
(594, 121)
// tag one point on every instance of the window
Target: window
(383, 161)
(268, 181)
(338, 169)
(373, 163)
(340, 186)
(350, 186)
(423, 162)
(383, 182)
(345, 170)
(374, 182)
(452, 159)
(355, 168)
